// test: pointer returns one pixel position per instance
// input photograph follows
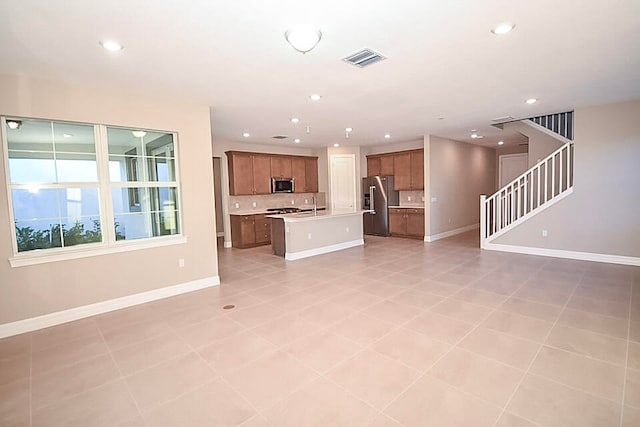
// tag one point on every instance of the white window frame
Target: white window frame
(109, 243)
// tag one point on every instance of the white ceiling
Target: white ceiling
(442, 60)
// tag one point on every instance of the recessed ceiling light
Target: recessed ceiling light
(479, 137)
(336, 145)
(500, 142)
(14, 124)
(315, 97)
(295, 120)
(349, 130)
(531, 101)
(67, 135)
(387, 135)
(111, 45)
(297, 140)
(502, 28)
(246, 134)
(474, 135)
(138, 133)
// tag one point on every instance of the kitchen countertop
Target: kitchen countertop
(407, 207)
(310, 216)
(264, 211)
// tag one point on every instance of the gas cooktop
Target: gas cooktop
(283, 210)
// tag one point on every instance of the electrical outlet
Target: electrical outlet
(306, 201)
(434, 199)
(449, 220)
(181, 262)
(309, 236)
(237, 205)
(293, 202)
(408, 198)
(347, 229)
(545, 233)
(423, 198)
(254, 204)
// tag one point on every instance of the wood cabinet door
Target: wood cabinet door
(386, 165)
(299, 174)
(261, 174)
(240, 174)
(397, 222)
(281, 166)
(373, 165)
(417, 170)
(415, 223)
(402, 171)
(311, 170)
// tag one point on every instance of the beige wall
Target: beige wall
(220, 146)
(458, 173)
(45, 288)
(603, 213)
(540, 143)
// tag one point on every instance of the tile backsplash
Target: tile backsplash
(300, 200)
(412, 198)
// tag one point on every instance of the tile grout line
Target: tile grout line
(626, 362)
(542, 344)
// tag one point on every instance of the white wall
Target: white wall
(603, 214)
(457, 174)
(40, 289)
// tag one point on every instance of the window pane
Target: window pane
(32, 235)
(125, 168)
(74, 138)
(79, 202)
(161, 169)
(140, 156)
(79, 231)
(27, 168)
(76, 167)
(35, 203)
(29, 135)
(145, 212)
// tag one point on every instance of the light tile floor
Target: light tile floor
(395, 333)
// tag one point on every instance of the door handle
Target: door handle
(372, 202)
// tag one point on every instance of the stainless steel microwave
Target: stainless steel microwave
(282, 185)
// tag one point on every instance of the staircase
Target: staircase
(537, 189)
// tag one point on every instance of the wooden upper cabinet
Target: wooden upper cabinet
(311, 174)
(261, 174)
(373, 165)
(299, 174)
(402, 171)
(240, 173)
(417, 170)
(281, 166)
(386, 165)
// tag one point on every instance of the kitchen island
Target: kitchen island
(301, 235)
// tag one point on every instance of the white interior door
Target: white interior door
(511, 166)
(343, 181)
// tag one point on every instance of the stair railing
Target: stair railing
(534, 190)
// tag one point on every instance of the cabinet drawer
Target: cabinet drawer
(262, 223)
(397, 210)
(263, 236)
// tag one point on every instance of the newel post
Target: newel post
(483, 220)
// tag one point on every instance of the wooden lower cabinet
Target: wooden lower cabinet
(248, 231)
(406, 222)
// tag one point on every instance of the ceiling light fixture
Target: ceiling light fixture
(14, 124)
(387, 135)
(67, 135)
(308, 129)
(474, 135)
(531, 101)
(500, 142)
(295, 120)
(349, 130)
(336, 145)
(303, 38)
(502, 28)
(138, 133)
(297, 140)
(246, 134)
(315, 97)
(111, 45)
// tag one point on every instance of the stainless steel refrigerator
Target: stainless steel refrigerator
(378, 194)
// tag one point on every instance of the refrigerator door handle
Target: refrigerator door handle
(372, 199)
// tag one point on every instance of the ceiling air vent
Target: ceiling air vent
(363, 58)
(280, 137)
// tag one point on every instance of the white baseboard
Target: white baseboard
(292, 256)
(446, 234)
(560, 253)
(76, 313)
(228, 245)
